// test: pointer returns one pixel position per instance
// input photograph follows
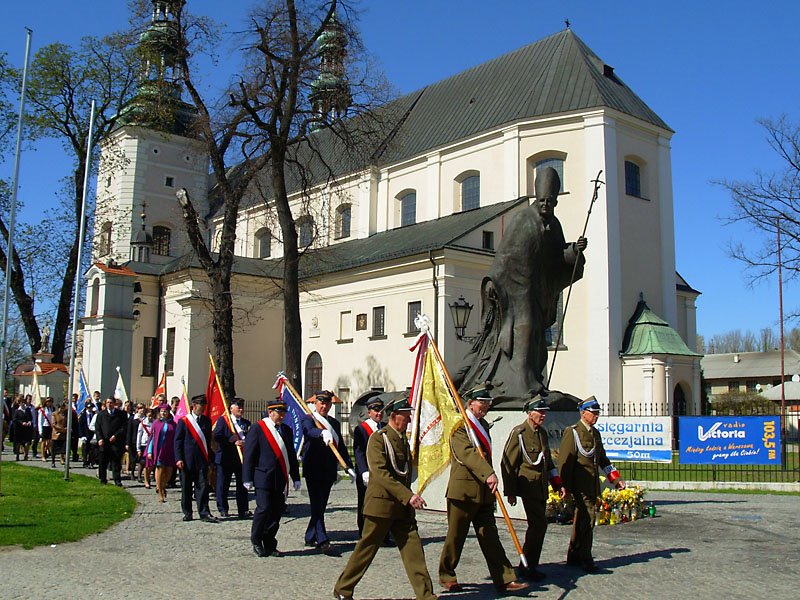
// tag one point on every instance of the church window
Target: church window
(343, 217)
(378, 322)
(471, 192)
(633, 179)
(556, 163)
(414, 309)
(169, 355)
(95, 298)
(305, 231)
(104, 240)
(263, 243)
(313, 376)
(408, 209)
(161, 240)
(149, 357)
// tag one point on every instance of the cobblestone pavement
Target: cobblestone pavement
(703, 545)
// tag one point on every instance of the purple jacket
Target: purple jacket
(163, 453)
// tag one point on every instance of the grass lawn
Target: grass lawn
(39, 508)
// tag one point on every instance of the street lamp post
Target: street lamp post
(460, 311)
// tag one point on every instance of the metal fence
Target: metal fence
(787, 472)
(254, 409)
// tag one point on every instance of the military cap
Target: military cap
(276, 404)
(324, 396)
(480, 392)
(199, 399)
(375, 404)
(591, 404)
(399, 403)
(238, 402)
(536, 403)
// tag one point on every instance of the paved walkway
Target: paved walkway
(701, 545)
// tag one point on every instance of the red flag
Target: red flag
(161, 389)
(215, 401)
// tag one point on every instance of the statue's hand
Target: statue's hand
(581, 244)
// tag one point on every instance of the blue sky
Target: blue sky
(709, 69)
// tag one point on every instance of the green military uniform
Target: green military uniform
(386, 509)
(470, 501)
(582, 456)
(527, 465)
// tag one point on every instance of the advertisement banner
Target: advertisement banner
(730, 440)
(644, 439)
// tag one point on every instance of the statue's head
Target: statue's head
(546, 187)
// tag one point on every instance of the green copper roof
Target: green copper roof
(647, 333)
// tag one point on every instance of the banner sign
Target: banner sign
(730, 440)
(638, 439)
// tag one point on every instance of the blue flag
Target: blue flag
(84, 394)
(294, 412)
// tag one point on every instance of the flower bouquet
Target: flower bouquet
(620, 506)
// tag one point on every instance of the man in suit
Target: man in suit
(582, 456)
(86, 434)
(320, 466)
(229, 433)
(527, 466)
(470, 498)
(270, 463)
(389, 507)
(192, 443)
(361, 436)
(110, 429)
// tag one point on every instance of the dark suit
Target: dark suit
(319, 470)
(107, 426)
(195, 465)
(262, 468)
(387, 509)
(229, 464)
(360, 438)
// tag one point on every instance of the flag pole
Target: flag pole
(463, 412)
(226, 414)
(331, 445)
(76, 295)
(11, 225)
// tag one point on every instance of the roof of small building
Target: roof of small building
(115, 269)
(42, 369)
(647, 333)
(753, 365)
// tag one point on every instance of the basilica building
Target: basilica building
(414, 231)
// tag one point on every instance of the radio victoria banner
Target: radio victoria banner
(730, 440)
(637, 438)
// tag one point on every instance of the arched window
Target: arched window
(470, 192)
(94, 302)
(408, 208)
(633, 178)
(161, 240)
(305, 231)
(104, 239)
(263, 244)
(556, 163)
(313, 378)
(343, 217)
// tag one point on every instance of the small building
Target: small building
(747, 371)
(51, 377)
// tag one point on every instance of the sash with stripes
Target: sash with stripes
(325, 425)
(46, 418)
(278, 448)
(197, 434)
(478, 434)
(234, 426)
(369, 426)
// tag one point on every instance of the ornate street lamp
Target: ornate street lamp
(459, 311)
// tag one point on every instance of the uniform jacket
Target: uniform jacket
(468, 471)
(526, 444)
(388, 492)
(318, 461)
(227, 455)
(261, 465)
(360, 439)
(580, 473)
(186, 448)
(108, 425)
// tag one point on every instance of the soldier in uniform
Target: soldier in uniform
(229, 433)
(192, 442)
(527, 466)
(361, 436)
(270, 463)
(320, 466)
(582, 456)
(470, 498)
(389, 507)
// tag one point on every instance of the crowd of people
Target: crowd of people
(148, 444)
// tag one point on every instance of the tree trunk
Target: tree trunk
(223, 330)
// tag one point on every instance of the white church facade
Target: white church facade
(413, 232)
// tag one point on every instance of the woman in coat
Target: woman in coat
(161, 450)
(59, 434)
(23, 427)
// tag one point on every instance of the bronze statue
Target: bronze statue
(519, 299)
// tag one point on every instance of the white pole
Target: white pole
(76, 295)
(12, 221)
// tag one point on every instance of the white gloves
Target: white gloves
(365, 477)
(327, 436)
(296, 486)
(248, 485)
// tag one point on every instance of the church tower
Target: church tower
(151, 155)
